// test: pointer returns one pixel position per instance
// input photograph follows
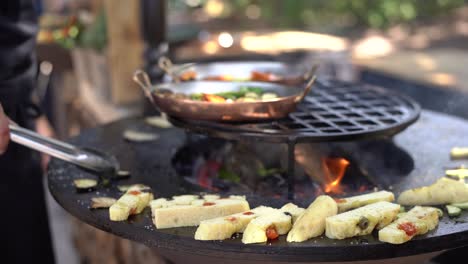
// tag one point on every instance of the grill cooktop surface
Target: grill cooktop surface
(428, 141)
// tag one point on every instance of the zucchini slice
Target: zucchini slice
(85, 184)
(139, 186)
(158, 121)
(453, 210)
(138, 136)
(122, 174)
(463, 206)
(459, 153)
(102, 202)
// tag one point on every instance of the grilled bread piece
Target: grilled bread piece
(185, 199)
(361, 221)
(417, 221)
(268, 226)
(224, 227)
(192, 215)
(312, 222)
(144, 195)
(133, 201)
(124, 206)
(292, 209)
(346, 204)
(443, 191)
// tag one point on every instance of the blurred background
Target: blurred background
(88, 50)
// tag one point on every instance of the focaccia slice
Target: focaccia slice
(224, 227)
(192, 215)
(292, 209)
(185, 199)
(417, 221)
(346, 204)
(268, 226)
(135, 199)
(144, 194)
(312, 222)
(443, 191)
(361, 221)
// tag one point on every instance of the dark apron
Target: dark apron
(24, 228)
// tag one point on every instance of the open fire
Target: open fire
(334, 170)
(320, 168)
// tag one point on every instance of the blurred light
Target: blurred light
(425, 62)
(372, 47)
(193, 3)
(204, 36)
(461, 28)
(225, 40)
(292, 41)
(398, 33)
(441, 78)
(419, 41)
(210, 47)
(73, 31)
(253, 11)
(214, 8)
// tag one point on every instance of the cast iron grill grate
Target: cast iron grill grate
(333, 111)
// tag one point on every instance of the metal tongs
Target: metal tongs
(89, 159)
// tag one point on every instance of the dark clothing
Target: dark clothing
(24, 224)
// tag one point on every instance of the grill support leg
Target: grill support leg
(291, 168)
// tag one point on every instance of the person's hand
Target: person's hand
(4, 131)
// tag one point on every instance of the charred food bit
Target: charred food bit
(102, 202)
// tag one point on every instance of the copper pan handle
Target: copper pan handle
(143, 80)
(309, 84)
(311, 72)
(166, 65)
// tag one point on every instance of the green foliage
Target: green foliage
(366, 13)
(95, 35)
(75, 34)
(342, 13)
(228, 175)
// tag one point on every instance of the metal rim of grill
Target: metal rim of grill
(333, 111)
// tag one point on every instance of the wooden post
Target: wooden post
(125, 48)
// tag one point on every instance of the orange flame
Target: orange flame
(334, 170)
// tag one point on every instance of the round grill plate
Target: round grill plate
(333, 111)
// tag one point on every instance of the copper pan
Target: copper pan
(289, 74)
(167, 97)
